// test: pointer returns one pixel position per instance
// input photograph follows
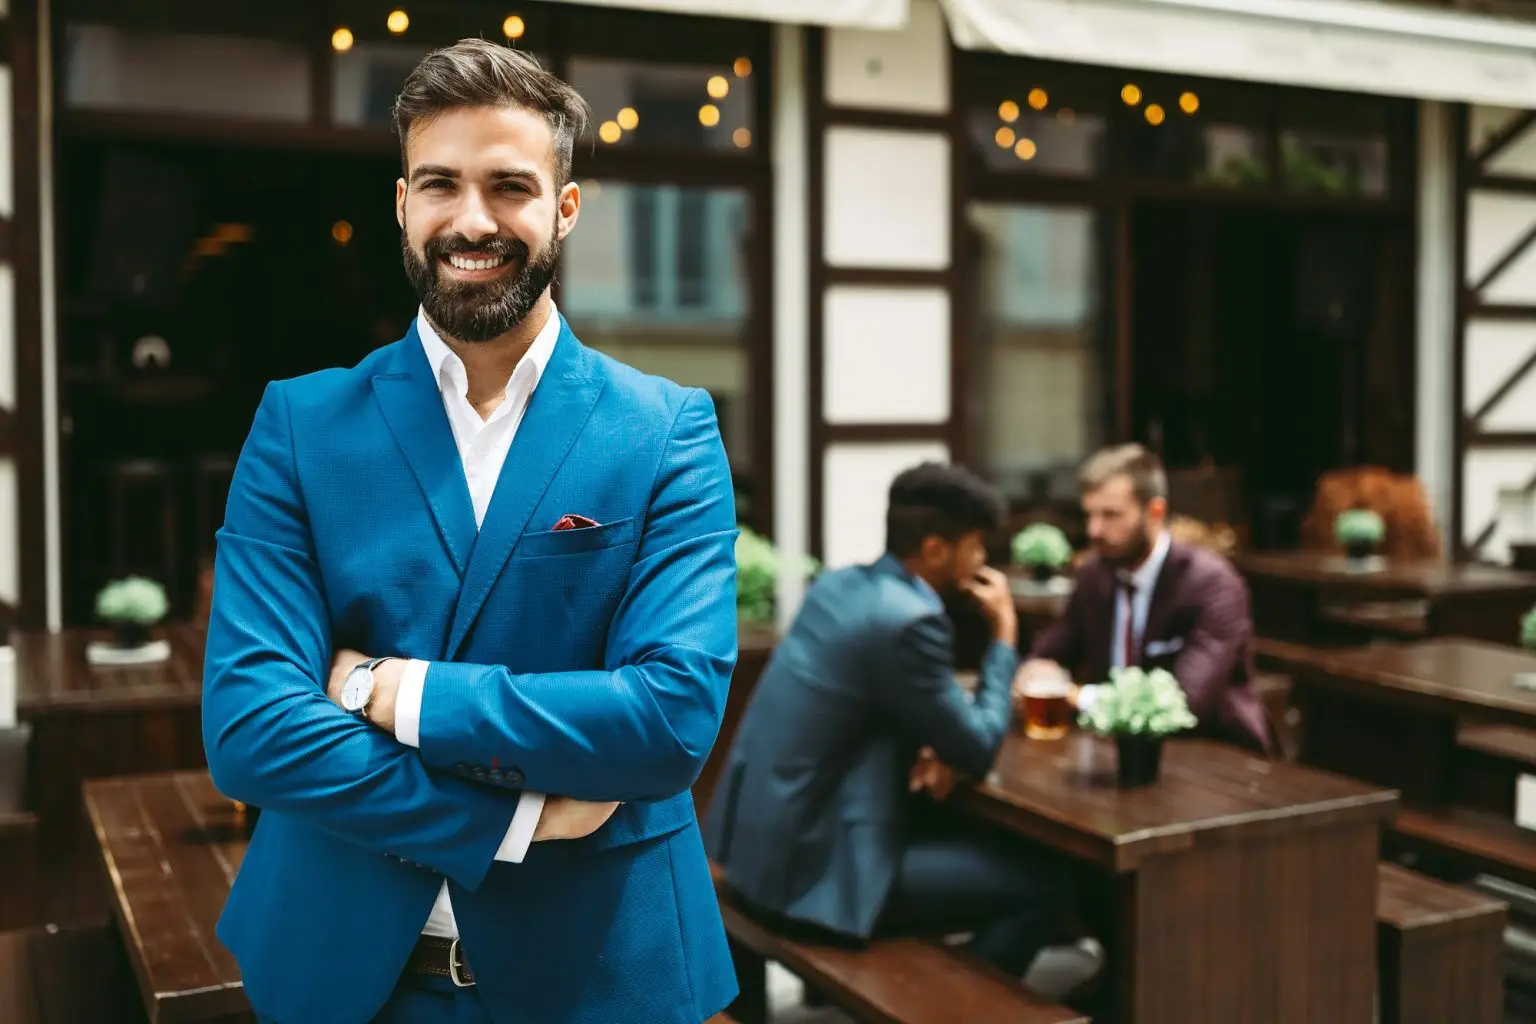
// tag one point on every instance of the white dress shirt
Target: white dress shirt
(1144, 579)
(483, 445)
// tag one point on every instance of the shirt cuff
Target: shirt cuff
(1086, 697)
(524, 823)
(408, 703)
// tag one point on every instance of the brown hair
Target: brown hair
(1144, 468)
(480, 73)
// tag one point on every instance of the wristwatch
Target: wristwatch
(357, 688)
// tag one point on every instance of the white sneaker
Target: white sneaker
(1058, 971)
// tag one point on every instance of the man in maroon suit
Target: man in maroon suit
(1144, 599)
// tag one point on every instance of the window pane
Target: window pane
(1187, 131)
(673, 106)
(1038, 345)
(656, 276)
(1337, 147)
(1041, 121)
(163, 72)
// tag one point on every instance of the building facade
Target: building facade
(1269, 238)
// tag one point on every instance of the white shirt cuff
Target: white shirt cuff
(524, 822)
(408, 703)
(1086, 696)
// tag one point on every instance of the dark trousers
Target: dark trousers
(428, 999)
(1012, 896)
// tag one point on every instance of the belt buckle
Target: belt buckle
(454, 963)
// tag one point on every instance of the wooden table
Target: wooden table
(1292, 592)
(90, 721)
(171, 845)
(1391, 713)
(1239, 889)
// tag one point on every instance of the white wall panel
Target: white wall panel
(886, 354)
(886, 199)
(856, 480)
(7, 336)
(1487, 471)
(1493, 351)
(906, 69)
(1495, 222)
(10, 538)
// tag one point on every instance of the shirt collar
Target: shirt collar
(1145, 576)
(440, 356)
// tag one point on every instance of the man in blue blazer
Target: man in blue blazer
(812, 818)
(534, 543)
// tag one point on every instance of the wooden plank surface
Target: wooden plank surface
(53, 675)
(1402, 578)
(1410, 902)
(66, 976)
(171, 845)
(1063, 793)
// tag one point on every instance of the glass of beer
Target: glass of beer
(1047, 712)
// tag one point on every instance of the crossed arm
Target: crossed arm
(639, 729)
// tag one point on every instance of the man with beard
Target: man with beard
(534, 546)
(1144, 599)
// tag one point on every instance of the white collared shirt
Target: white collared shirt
(1144, 579)
(483, 445)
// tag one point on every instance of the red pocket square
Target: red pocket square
(575, 522)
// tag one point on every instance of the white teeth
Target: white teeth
(467, 264)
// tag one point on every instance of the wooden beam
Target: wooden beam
(1501, 439)
(1503, 138)
(1502, 391)
(1504, 262)
(1477, 310)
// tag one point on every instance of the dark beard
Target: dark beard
(1133, 555)
(480, 310)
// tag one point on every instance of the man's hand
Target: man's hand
(565, 818)
(990, 592)
(930, 774)
(386, 684)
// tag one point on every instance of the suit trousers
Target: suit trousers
(429, 999)
(1011, 896)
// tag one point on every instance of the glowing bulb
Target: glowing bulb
(742, 137)
(742, 67)
(717, 86)
(341, 39)
(1131, 94)
(629, 119)
(1038, 98)
(609, 131)
(1008, 111)
(1189, 103)
(398, 21)
(1026, 149)
(342, 232)
(1155, 114)
(709, 115)
(1005, 137)
(513, 27)
(1066, 115)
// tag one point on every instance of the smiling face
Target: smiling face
(481, 217)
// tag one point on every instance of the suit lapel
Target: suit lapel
(1164, 595)
(561, 404)
(413, 407)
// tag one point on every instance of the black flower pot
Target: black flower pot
(130, 635)
(1140, 759)
(1042, 573)
(1359, 550)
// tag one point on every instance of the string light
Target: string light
(398, 21)
(1038, 98)
(717, 87)
(709, 115)
(742, 67)
(1155, 114)
(341, 39)
(341, 231)
(1005, 137)
(1189, 102)
(609, 131)
(1008, 111)
(1066, 115)
(513, 27)
(629, 119)
(742, 137)
(1131, 94)
(1026, 149)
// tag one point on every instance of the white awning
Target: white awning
(1347, 45)
(842, 13)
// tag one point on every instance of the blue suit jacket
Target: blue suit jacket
(810, 815)
(590, 663)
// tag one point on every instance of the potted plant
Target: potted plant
(1139, 709)
(1042, 549)
(130, 606)
(1361, 531)
(757, 575)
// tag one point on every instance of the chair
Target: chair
(1399, 499)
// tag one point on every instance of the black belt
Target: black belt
(443, 958)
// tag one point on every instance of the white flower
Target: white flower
(1139, 703)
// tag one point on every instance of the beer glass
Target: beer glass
(1047, 712)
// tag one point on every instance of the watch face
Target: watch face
(356, 690)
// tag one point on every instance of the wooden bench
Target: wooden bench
(891, 981)
(74, 976)
(1470, 840)
(1440, 951)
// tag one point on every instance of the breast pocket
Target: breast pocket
(551, 543)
